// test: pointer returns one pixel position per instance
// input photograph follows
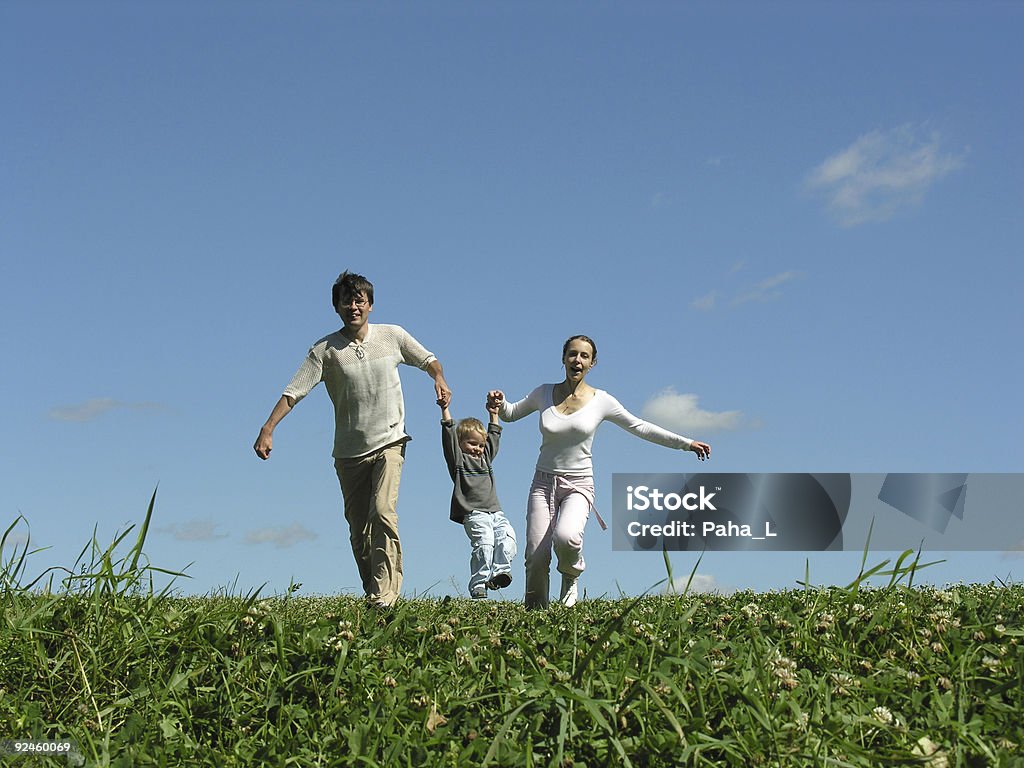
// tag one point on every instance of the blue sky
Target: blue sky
(793, 229)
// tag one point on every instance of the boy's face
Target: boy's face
(473, 444)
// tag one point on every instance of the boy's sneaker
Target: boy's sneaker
(570, 591)
(499, 581)
(478, 595)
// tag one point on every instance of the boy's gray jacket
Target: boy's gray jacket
(474, 481)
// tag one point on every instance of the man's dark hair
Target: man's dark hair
(348, 285)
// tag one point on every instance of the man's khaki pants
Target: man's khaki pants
(369, 485)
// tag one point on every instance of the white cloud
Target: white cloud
(193, 530)
(281, 537)
(680, 413)
(1015, 554)
(93, 409)
(700, 583)
(16, 540)
(880, 173)
(766, 290)
(705, 303)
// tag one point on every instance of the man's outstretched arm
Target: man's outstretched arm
(265, 442)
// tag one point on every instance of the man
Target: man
(359, 367)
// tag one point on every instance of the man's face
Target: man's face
(354, 308)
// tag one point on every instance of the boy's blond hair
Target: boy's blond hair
(470, 426)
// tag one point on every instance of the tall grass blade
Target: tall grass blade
(137, 550)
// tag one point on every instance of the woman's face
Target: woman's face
(578, 359)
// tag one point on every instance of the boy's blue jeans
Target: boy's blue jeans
(493, 544)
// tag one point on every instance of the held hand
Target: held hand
(703, 450)
(264, 445)
(445, 413)
(494, 399)
(444, 395)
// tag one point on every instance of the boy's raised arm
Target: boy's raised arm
(449, 443)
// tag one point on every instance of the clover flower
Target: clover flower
(883, 715)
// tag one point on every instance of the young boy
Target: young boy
(468, 451)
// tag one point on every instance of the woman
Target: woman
(562, 493)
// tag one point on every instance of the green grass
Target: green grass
(897, 675)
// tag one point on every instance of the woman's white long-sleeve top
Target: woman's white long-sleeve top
(566, 440)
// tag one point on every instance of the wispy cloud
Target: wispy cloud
(660, 200)
(705, 303)
(16, 540)
(193, 530)
(881, 173)
(93, 409)
(1015, 554)
(701, 584)
(768, 289)
(280, 537)
(680, 413)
